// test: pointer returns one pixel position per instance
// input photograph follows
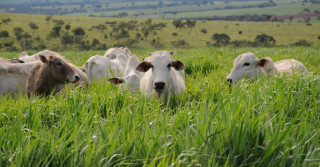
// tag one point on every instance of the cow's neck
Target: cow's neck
(47, 84)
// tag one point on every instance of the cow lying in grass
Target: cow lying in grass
(131, 76)
(10, 61)
(161, 77)
(84, 80)
(50, 75)
(100, 67)
(112, 53)
(13, 77)
(248, 65)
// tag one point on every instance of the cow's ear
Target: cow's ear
(43, 59)
(171, 53)
(144, 66)
(82, 69)
(178, 65)
(116, 81)
(263, 62)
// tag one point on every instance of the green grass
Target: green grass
(268, 122)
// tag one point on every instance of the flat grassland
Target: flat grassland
(266, 122)
(284, 33)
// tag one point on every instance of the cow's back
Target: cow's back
(289, 66)
(13, 77)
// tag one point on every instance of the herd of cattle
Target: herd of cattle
(47, 72)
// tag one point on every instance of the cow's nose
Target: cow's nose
(159, 85)
(77, 77)
(229, 80)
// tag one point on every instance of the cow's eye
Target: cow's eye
(246, 64)
(59, 63)
(169, 65)
(151, 66)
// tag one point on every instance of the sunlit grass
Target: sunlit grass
(265, 122)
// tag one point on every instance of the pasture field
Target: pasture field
(266, 122)
(283, 32)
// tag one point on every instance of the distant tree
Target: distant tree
(26, 35)
(78, 31)
(302, 43)
(4, 34)
(178, 24)
(58, 22)
(221, 39)
(265, 40)
(17, 32)
(67, 27)
(156, 43)
(240, 32)
(319, 37)
(48, 18)
(6, 21)
(204, 31)
(26, 44)
(105, 36)
(66, 39)
(55, 32)
(190, 24)
(100, 27)
(33, 26)
(174, 34)
(95, 43)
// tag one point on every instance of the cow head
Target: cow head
(248, 65)
(161, 63)
(58, 69)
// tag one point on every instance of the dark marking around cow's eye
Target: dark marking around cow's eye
(59, 63)
(246, 64)
(169, 65)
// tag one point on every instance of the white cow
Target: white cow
(164, 79)
(248, 65)
(13, 77)
(35, 57)
(100, 67)
(131, 76)
(112, 53)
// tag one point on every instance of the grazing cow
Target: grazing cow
(26, 58)
(13, 77)
(11, 61)
(131, 76)
(100, 67)
(112, 53)
(164, 79)
(250, 66)
(50, 75)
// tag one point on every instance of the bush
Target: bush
(302, 43)
(67, 27)
(156, 43)
(174, 34)
(55, 32)
(33, 26)
(17, 32)
(204, 31)
(265, 40)
(221, 39)
(4, 34)
(180, 43)
(78, 31)
(66, 39)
